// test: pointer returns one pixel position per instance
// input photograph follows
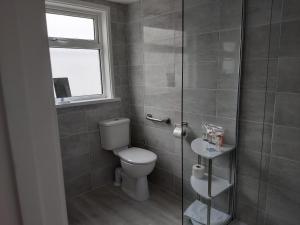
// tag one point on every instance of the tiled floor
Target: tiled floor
(110, 206)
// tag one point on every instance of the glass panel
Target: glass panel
(80, 66)
(211, 62)
(62, 26)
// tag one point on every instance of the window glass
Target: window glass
(63, 26)
(81, 67)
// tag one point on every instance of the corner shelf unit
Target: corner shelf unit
(197, 212)
(218, 185)
(209, 186)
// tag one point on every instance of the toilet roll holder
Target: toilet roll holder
(180, 128)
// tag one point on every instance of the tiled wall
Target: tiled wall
(154, 50)
(211, 62)
(85, 164)
(269, 157)
(212, 42)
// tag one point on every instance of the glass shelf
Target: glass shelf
(218, 185)
(197, 213)
(209, 151)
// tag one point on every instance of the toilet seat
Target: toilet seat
(137, 156)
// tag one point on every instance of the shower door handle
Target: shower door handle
(151, 118)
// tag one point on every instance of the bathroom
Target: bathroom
(162, 74)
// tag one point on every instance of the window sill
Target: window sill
(86, 102)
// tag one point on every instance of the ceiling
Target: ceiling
(124, 1)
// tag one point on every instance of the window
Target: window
(79, 45)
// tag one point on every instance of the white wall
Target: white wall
(30, 112)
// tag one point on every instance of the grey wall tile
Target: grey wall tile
(230, 43)
(201, 75)
(164, 98)
(72, 123)
(159, 52)
(251, 164)
(137, 135)
(248, 190)
(103, 112)
(251, 135)
(289, 41)
(102, 176)
(230, 14)
(159, 27)
(286, 142)
(255, 74)
(256, 106)
(134, 11)
(137, 95)
(282, 206)
(287, 109)
(227, 103)
(258, 12)
(120, 76)
(289, 74)
(201, 17)
(135, 54)
(157, 7)
(257, 42)
(202, 47)
(78, 186)
(123, 93)
(136, 75)
(118, 33)
(74, 145)
(137, 114)
(118, 12)
(161, 76)
(200, 101)
(134, 32)
(76, 166)
(160, 139)
(291, 10)
(119, 55)
(284, 173)
(227, 77)
(246, 213)
(252, 106)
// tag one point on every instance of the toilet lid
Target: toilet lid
(137, 155)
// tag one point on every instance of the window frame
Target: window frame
(102, 42)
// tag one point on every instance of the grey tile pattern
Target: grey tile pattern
(85, 164)
(155, 87)
(83, 158)
(288, 75)
(109, 205)
(211, 60)
(269, 127)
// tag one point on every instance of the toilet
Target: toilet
(136, 163)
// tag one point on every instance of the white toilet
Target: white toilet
(136, 163)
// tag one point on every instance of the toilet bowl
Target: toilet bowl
(136, 163)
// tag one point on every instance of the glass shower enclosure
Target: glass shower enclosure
(211, 61)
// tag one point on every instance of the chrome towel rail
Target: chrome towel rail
(150, 117)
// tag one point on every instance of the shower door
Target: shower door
(211, 39)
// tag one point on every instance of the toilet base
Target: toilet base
(136, 188)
